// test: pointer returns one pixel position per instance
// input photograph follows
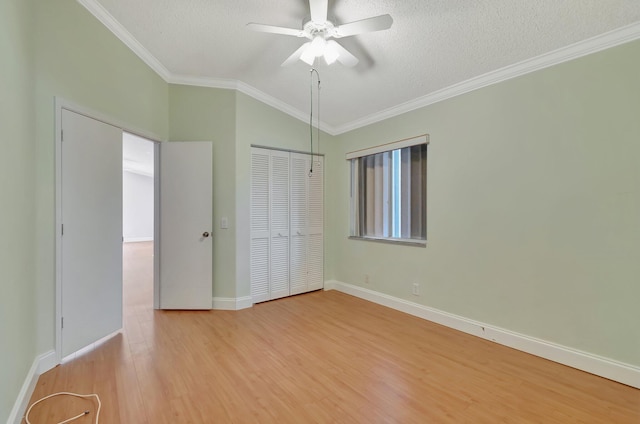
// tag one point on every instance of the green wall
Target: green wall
(533, 206)
(209, 114)
(78, 59)
(17, 208)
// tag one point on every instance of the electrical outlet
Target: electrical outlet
(415, 289)
(366, 278)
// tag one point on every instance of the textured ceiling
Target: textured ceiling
(433, 44)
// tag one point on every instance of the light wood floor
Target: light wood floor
(316, 358)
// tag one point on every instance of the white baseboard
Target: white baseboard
(41, 363)
(47, 361)
(232, 303)
(136, 239)
(594, 364)
(244, 302)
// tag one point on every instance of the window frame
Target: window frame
(354, 198)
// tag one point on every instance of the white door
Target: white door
(186, 219)
(91, 240)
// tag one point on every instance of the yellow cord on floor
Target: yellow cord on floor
(26, 416)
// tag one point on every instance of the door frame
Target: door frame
(60, 104)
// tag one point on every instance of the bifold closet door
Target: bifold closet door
(286, 224)
(260, 219)
(279, 245)
(300, 165)
(307, 219)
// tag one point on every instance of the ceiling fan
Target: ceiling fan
(319, 30)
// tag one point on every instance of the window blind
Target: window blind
(389, 191)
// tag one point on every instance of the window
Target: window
(389, 191)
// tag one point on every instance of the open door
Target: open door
(186, 219)
(91, 231)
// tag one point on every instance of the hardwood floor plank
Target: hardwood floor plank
(322, 357)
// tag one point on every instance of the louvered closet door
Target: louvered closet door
(279, 272)
(315, 213)
(260, 219)
(299, 186)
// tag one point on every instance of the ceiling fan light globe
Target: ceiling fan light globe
(318, 45)
(308, 56)
(330, 54)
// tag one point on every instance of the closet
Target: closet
(287, 211)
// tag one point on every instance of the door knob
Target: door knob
(205, 234)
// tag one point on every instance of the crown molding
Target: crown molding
(555, 57)
(282, 106)
(227, 84)
(250, 91)
(125, 36)
(582, 48)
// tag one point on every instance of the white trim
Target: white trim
(407, 142)
(224, 83)
(581, 48)
(100, 13)
(282, 106)
(244, 302)
(46, 361)
(224, 303)
(137, 239)
(63, 103)
(156, 226)
(59, 105)
(564, 54)
(90, 347)
(594, 364)
(41, 364)
(232, 303)
(392, 240)
(250, 91)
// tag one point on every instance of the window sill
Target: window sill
(403, 242)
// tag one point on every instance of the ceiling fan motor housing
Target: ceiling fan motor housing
(326, 29)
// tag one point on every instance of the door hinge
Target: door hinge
(62, 322)
(61, 135)
(62, 229)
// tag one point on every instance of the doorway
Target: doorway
(90, 167)
(138, 193)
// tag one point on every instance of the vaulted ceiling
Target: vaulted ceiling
(433, 45)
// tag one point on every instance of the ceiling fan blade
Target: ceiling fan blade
(296, 55)
(319, 10)
(275, 29)
(376, 23)
(344, 57)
